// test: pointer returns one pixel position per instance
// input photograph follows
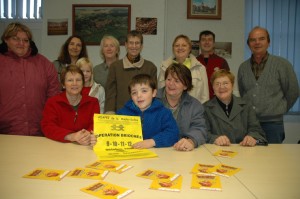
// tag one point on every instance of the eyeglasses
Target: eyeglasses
(219, 84)
(19, 40)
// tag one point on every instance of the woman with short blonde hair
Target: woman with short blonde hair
(109, 52)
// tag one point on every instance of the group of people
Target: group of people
(189, 103)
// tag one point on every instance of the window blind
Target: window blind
(21, 9)
(282, 19)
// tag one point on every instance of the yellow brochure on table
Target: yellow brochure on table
(115, 136)
(125, 168)
(172, 184)
(206, 182)
(225, 170)
(47, 174)
(225, 153)
(202, 168)
(106, 190)
(156, 174)
(110, 166)
(88, 173)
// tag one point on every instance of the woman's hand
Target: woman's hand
(93, 139)
(248, 141)
(184, 144)
(145, 144)
(222, 141)
(82, 137)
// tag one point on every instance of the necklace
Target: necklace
(75, 101)
(174, 106)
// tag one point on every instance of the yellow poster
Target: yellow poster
(115, 136)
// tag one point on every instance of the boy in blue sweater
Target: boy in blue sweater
(158, 125)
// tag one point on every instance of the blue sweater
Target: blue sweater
(157, 122)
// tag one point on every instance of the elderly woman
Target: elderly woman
(182, 47)
(109, 52)
(68, 117)
(229, 118)
(187, 111)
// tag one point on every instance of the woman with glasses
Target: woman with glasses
(27, 80)
(229, 119)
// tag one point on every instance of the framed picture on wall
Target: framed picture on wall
(93, 21)
(57, 26)
(146, 26)
(204, 9)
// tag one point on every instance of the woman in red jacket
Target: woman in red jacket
(68, 117)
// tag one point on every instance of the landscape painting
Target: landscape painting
(92, 22)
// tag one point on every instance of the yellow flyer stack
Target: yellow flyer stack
(115, 136)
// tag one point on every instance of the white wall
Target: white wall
(153, 44)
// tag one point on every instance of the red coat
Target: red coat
(60, 119)
(25, 85)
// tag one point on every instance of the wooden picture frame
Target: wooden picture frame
(204, 9)
(93, 21)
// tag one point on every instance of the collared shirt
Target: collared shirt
(133, 59)
(226, 107)
(257, 68)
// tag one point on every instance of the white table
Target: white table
(257, 179)
(267, 172)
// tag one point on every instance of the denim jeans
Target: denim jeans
(274, 131)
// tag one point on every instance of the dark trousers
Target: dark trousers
(274, 131)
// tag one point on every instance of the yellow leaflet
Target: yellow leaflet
(88, 173)
(106, 190)
(46, 174)
(206, 182)
(225, 153)
(167, 184)
(225, 170)
(156, 174)
(202, 168)
(115, 136)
